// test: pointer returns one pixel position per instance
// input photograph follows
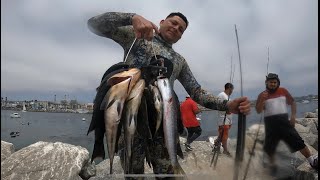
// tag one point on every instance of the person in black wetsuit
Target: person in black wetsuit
(153, 42)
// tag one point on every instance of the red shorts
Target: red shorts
(225, 135)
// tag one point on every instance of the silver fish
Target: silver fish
(121, 83)
(130, 119)
(169, 122)
(158, 104)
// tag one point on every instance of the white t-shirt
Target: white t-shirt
(221, 114)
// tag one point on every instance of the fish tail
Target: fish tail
(111, 162)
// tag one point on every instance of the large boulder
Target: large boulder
(306, 172)
(45, 160)
(6, 150)
(256, 129)
(196, 163)
(311, 123)
(310, 115)
(311, 135)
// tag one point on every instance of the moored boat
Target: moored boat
(15, 115)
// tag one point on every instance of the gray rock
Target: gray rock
(253, 129)
(307, 121)
(45, 160)
(305, 171)
(310, 139)
(103, 169)
(88, 170)
(312, 123)
(310, 115)
(302, 129)
(6, 150)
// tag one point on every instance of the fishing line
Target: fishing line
(253, 148)
(231, 71)
(234, 67)
(125, 59)
(268, 63)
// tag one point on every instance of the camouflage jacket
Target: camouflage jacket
(118, 27)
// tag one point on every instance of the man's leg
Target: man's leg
(187, 143)
(137, 156)
(313, 160)
(225, 140)
(196, 132)
(190, 134)
(160, 160)
(270, 143)
(305, 152)
(296, 143)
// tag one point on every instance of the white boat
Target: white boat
(82, 111)
(305, 101)
(83, 119)
(15, 115)
(198, 117)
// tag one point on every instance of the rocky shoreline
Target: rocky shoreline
(48, 160)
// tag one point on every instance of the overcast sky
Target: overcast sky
(47, 48)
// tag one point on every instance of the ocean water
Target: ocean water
(70, 128)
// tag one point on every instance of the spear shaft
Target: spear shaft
(241, 125)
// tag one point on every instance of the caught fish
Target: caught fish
(157, 100)
(130, 119)
(143, 126)
(169, 122)
(113, 103)
(97, 120)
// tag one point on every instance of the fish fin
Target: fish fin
(96, 120)
(116, 68)
(98, 149)
(143, 110)
(115, 80)
(180, 126)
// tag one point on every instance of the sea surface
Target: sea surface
(71, 128)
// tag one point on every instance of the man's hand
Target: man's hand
(260, 101)
(264, 96)
(143, 28)
(241, 104)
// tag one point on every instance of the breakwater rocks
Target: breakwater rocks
(48, 160)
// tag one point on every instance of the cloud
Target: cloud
(47, 47)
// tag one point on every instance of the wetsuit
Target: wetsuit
(118, 27)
